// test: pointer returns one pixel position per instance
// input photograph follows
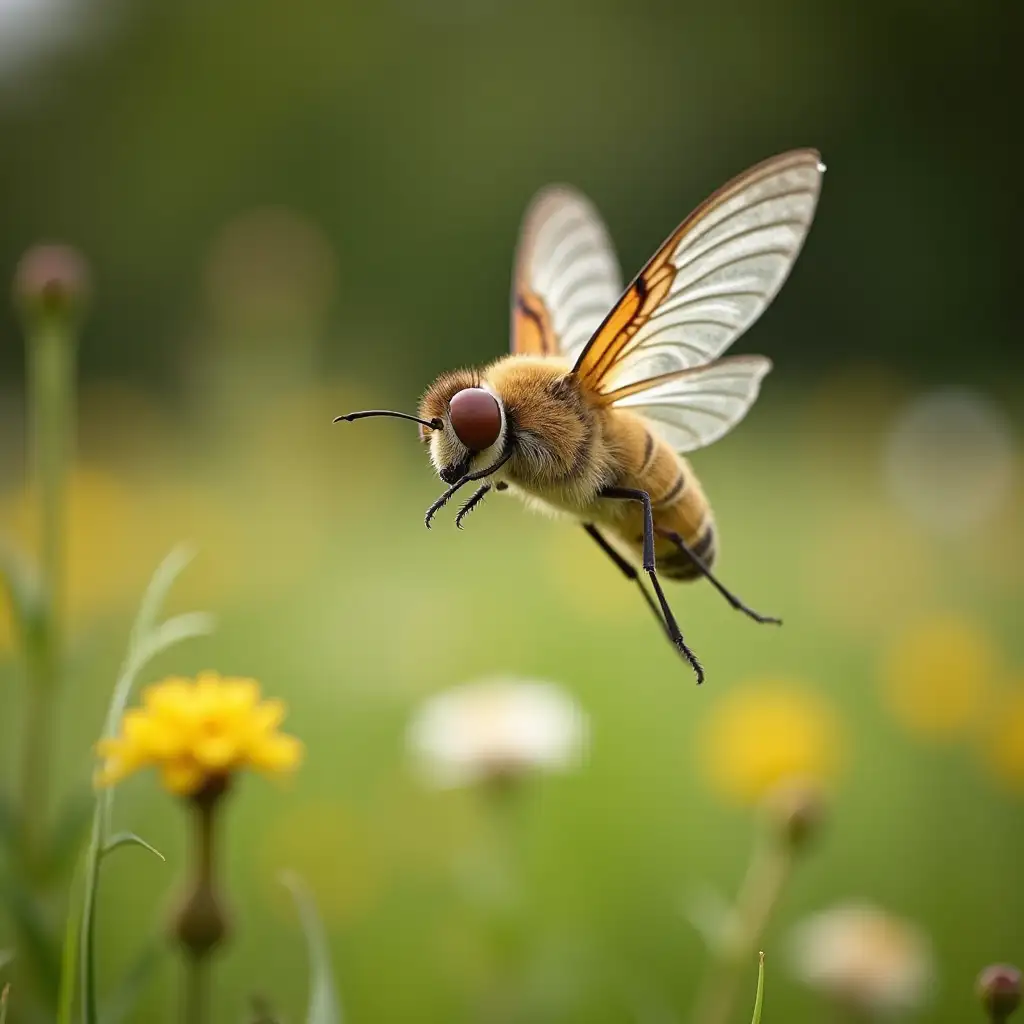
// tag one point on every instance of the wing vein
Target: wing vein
(692, 237)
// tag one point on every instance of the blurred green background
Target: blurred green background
(294, 211)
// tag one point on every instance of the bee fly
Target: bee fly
(605, 390)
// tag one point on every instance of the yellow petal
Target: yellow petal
(268, 716)
(241, 694)
(168, 695)
(276, 753)
(136, 727)
(215, 751)
(182, 777)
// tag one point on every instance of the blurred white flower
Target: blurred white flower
(949, 459)
(28, 28)
(497, 728)
(864, 958)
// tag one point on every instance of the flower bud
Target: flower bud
(796, 812)
(998, 988)
(51, 279)
(201, 923)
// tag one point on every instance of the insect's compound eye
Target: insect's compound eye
(476, 418)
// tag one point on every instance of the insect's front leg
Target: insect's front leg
(674, 632)
(443, 500)
(459, 484)
(479, 495)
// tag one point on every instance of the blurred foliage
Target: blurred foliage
(329, 589)
(412, 133)
(293, 212)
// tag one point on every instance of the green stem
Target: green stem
(51, 361)
(767, 873)
(196, 991)
(201, 923)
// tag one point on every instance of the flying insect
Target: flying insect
(606, 390)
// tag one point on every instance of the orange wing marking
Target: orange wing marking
(532, 329)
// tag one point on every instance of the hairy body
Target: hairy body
(567, 447)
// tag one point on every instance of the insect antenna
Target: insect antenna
(434, 424)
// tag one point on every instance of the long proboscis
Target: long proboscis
(434, 424)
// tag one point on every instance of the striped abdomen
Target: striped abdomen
(677, 500)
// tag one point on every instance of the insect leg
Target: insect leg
(481, 491)
(625, 568)
(713, 580)
(462, 483)
(443, 500)
(674, 632)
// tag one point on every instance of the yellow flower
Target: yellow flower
(198, 730)
(936, 676)
(769, 732)
(1004, 740)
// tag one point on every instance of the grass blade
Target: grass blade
(147, 639)
(324, 1007)
(759, 998)
(174, 563)
(129, 839)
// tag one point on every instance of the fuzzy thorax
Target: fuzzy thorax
(557, 438)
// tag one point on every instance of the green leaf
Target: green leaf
(759, 998)
(6, 956)
(167, 634)
(324, 1007)
(147, 639)
(174, 563)
(134, 981)
(129, 839)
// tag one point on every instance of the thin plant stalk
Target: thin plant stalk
(51, 369)
(201, 923)
(196, 987)
(767, 873)
(196, 1002)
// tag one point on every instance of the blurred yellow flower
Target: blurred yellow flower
(198, 730)
(109, 545)
(937, 674)
(766, 732)
(1003, 742)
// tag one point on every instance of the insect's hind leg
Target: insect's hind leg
(627, 570)
(714, 581)
(674, 632)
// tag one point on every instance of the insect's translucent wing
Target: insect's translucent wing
(711, 279)
(693, 408)
(566, 275)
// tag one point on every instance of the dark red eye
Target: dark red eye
(476, 418)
